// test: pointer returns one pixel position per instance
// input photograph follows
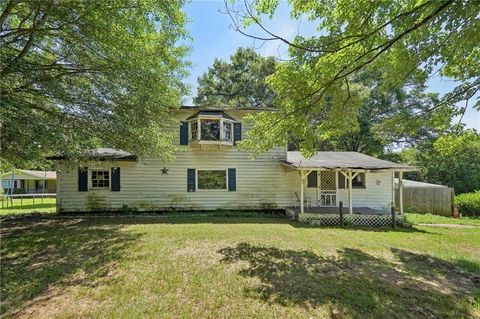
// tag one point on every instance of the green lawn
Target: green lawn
(26, 206)
(235, 267)
(435, 219)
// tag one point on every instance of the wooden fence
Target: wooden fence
(432, 200)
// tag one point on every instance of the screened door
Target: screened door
(328, 189)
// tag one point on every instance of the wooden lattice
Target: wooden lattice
(349, 219)
(328, 189)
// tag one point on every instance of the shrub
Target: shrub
(469, 203)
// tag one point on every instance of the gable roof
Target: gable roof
(342, 160)
(103, 154)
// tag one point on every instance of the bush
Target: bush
(469, 203)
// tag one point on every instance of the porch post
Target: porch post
(301, 192)
(400, 192)
(350, 208)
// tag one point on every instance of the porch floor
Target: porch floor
(335, 210)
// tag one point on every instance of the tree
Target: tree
(239, 83)
(452, 159)
(388, 118)
(83, 74)
(409, 40)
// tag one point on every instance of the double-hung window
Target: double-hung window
(100, 179)
(194, 130)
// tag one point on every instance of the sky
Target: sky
(213, 38)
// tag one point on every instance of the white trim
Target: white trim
(90, 183)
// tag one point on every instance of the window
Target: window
(100, 179)
(194, 130)
(210, 180)
(357, 182)
(227, 131)
(210, 130)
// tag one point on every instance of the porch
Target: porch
(362, 184)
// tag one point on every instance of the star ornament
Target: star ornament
(164, 170)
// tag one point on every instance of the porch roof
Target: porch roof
(342, 160)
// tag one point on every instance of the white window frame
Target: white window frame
(190, 135)
(221, 120)
(211, 190)
(90, 178)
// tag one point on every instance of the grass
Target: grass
(26, 206)
(235, 267)
(435, 219)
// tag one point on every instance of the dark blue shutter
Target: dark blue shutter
(237, 132)
(115, 171)
(183, 133)
(312, 179)
(83, 179)
(232, 179)
(190, 179)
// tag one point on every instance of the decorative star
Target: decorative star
(164, 170)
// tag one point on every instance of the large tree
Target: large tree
(316, 91)
(81, 74)
(238, 83)
(452, 159)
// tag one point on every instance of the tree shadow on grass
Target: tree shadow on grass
(37, 255)
(356, 284)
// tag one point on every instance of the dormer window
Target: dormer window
(210, 128)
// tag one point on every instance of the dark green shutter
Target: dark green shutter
(312, 179)
(237, 133)
(115, 171)
(183, 133)
(83, 179)
(341, 181)
(190, 179)
(232, 179)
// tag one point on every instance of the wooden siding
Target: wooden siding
(262, 183)
(373, 196)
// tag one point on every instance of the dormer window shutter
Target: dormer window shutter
(237, 133)
(183, 133)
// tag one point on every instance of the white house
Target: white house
(210, 172)
(27, 181)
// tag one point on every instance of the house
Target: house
(210, 172)
(29, 182)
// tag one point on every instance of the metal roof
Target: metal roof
(211, 113)
(410, 183)
(103, 154)
(342, 160)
